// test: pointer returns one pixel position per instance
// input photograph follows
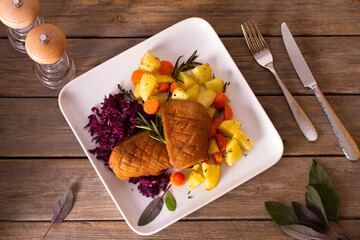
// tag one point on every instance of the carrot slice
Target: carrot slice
(163, 87)
(217, 122)
(228, 113)
(213, 130)
(151, 106)
(173, 86)
(218, 158)
(166, 68)
(221, 141)
(221, 100)
(136, 76)
(206, 159)
(178, 179)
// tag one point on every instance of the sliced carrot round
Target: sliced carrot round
(136, 76)
(221, 100)
(221, 141)
(228, 113)
(166, 68)
(217, 122)
(163, 87)
(151, 106)
(218, 158)
(178, 179)
(173, 86)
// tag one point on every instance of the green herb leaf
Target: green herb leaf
(281, 214)
(319, 179)
(152, 127)
(61, 209)
(127, 94)
(302, 232)
(185, 66)
(225, 85)
(170, 201)
(151, 211)
(313, 202)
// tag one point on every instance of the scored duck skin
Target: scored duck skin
(187, 127)
(139, 155)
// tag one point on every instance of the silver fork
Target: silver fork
(260, 51)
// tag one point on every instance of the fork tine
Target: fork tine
(251, 39)
(249, 44)
(255, 36)
(260, 35)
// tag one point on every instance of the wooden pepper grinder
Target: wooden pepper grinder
(20, 16)
(46, 45)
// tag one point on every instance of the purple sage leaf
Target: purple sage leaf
(308, 218)
(302, 232)
(61, 209)
(151, 211)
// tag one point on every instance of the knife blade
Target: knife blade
(345, 140)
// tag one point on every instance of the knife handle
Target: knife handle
(304, 123)
(346, 142)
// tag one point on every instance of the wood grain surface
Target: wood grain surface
(333, 61)
(285, 182)
(90, 230)
(40, 156)
(121, 18)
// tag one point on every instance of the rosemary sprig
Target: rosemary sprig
(185, 66)
(153, 127)
(127, 94)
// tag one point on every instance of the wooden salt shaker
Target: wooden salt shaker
(20, 16)
(46, 45)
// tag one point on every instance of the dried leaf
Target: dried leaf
(62, 209)
(280, 213)
(302, 232)
(170, 201)
(313, 202)
(151, 211)
(319, 179)
(308, 218)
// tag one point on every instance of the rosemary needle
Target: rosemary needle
(153, 127)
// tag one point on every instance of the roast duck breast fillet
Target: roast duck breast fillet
(139, 155)
(187, 127)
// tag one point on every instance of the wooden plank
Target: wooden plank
(181, 230)
(37, 128)
(30, 188)
(109, 18)
(333, 61)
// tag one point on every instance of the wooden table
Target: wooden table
(40, 157)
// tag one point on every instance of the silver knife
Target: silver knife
(346, 142)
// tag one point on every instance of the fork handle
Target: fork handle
(345, 140)
(304, 123)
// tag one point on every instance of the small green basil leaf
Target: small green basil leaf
(313, 202)
(170, 201)
(302, 232)
(281, 214)
(151, 211)
(319, 179)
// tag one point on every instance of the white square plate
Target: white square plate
(88, 90)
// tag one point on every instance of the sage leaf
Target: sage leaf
(280, 213)
(170, 201)
(302, 232)
(308, 218)
(61, 209)
(151, 211)
(319, 179)
(313, 202)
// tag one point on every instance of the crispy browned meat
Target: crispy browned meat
(187, 127)
(139, 155)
